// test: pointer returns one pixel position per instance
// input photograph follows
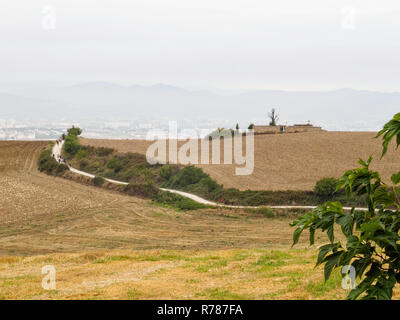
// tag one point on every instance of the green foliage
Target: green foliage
(98, 181)
(389, 131)
(71, 145)
(74, 131)
(166, 172)
(251, 126)
(372, 236)
(134, 168)
(144, 190)
(187, 176)
(49, 165)
(103, 152)
(265, 211)
(106, 162)
(208, 185)
(60, 169)
(326, 187)
(176, 201)
(81, 154)
(114, 164)
(194, 180)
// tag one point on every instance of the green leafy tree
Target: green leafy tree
(71, 145)
(251, 126)
(74, 131)
(372, 241)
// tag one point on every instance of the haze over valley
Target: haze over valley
(109, 110)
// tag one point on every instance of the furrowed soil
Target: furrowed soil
(105, 245)
(293, 161)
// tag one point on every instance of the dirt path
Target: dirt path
(57, 153)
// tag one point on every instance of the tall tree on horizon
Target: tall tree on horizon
(274, 117)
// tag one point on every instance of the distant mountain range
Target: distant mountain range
(344, 109)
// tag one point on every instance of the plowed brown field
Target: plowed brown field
(291, 161)
(43, 214)
(105, 245)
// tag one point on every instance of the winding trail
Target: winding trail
(57, 154)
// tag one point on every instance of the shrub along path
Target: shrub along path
(57, 153)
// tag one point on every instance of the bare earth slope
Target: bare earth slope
(290, 161)
(95, 240)
(43, 214)
(27, 193)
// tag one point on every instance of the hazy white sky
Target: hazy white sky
(232, 44)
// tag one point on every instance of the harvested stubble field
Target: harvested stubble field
(45, 214)
(293, 161)
(105, 245)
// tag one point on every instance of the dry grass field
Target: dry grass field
(290, 161)
(165, 274)
(105, 245)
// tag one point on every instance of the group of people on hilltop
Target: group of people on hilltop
(58, 156)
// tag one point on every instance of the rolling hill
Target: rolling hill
(290, 161)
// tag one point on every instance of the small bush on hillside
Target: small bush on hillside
(266, 211)
(127, 167)
(325, 187)
(209, 184)
(187, 176)
(60, 169)
(145, 190)
(206, 188)
(98, 181)
(146, 173)
(83, 164)
(165, 172)
(114, 164)
(49, 165)
(81, 154)
(177, 201)
(103, 152)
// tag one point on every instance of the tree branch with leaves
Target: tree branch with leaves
(372, 244)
